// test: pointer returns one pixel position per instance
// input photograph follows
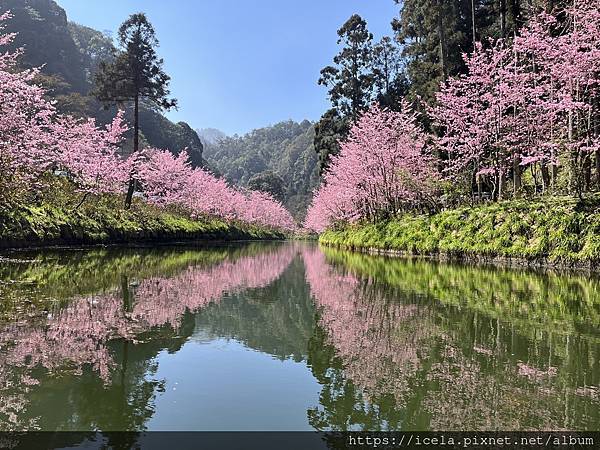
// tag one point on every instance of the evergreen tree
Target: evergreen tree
(387, 70)
(350, 83)
(350, 80)
(329, 131)
(135, 75)
(434, 35)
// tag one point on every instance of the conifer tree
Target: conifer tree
(135, 75)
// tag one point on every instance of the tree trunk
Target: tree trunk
(503, 18)
(587, 172)
(442, 38)
(474, 31)
(516, 176)
(136, 145)
(572, 158)
(545, 177)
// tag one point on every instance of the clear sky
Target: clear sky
(237, 65)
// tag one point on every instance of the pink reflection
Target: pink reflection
(77, 335)
(374, 338)
(417, 354)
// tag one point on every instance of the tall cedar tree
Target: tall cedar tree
(350, 80)
(387, 70)
(363, 72)
(350, 83)
(434, 35)
(135, 75)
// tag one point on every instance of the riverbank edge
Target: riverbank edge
(50, 226)
(552, 234)
(475, 260)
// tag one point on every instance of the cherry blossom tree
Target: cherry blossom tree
(36, 142)
(90, 154)
(567, 57)
(470, 111)
(25, 145)
(530, 103)
(383, 168)
(170, 180)
(165, 178)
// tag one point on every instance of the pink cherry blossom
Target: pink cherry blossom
(36, 142)
(384, 167)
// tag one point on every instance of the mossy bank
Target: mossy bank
(560, 232)
(104, 221)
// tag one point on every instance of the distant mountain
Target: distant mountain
(285, 149)
(69, 55)
(210, 135)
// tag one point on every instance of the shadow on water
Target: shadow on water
(93, 340)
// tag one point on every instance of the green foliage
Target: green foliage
(563, 231)
(270, 183)
(330, 130)
(434, 34)
(387, 69)
(350, 80)
(284, 149)
(103, 220)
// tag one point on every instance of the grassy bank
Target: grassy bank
(557, 231)
(104, 221)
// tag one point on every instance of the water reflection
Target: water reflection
(436, 346)
(386, 343)
(73, 337)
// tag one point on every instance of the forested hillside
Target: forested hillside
(279, 159)
(69, 55)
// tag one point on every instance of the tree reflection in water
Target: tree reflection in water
(394, 343)
(446, 347)
(77, 336)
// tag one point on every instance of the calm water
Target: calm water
(291, 337)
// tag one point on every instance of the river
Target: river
(290, 336)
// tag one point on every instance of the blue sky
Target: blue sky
(237, 65)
